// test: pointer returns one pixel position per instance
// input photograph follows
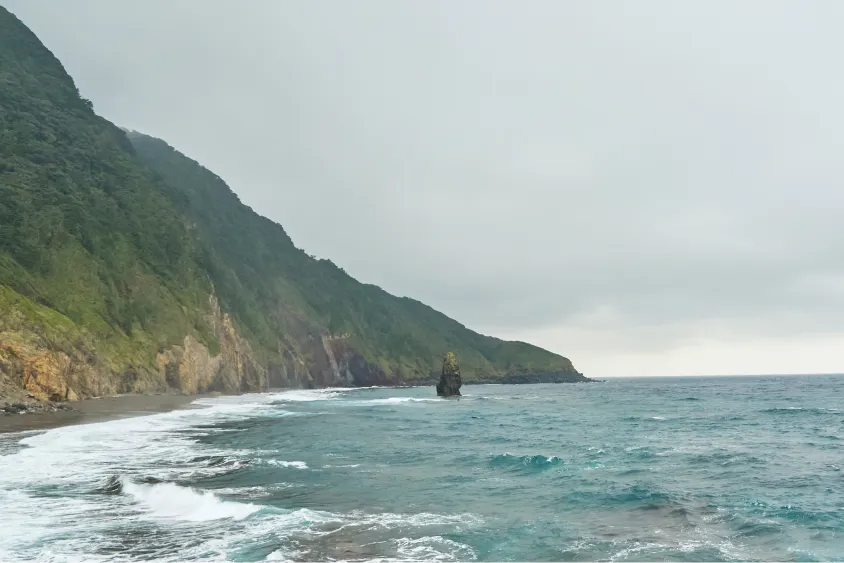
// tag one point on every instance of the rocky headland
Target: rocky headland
(128, 268)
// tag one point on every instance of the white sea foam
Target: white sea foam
(250, 492)
(291, 464)
(83, 460)
(169, 501)
(420, 520)
(390, 401)
(308, 395)
(433, 548)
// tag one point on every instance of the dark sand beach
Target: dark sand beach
(97, 410)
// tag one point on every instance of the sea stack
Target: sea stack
(450, 381)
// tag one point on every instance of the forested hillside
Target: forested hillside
(127, 267)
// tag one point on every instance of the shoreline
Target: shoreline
(100, 409)
(116, 407)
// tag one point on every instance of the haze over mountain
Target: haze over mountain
(127, 267)
(651, 186)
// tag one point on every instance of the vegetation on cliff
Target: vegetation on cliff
(126, 266)
(402, 337)
(450, 380)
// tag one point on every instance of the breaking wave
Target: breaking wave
(522, 462)
(378, 474)
(170, 501)
(289, 464)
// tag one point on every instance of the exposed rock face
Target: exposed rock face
(335, 363)
(60, 364)
(46, 359)
(192, 369)
(450, 381)
(31, 370)
(335, 374)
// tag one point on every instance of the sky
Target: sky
(648, 188)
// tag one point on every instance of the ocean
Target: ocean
(675, 469)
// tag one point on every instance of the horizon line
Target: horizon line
(717, 375)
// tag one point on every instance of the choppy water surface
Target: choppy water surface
(648, 469)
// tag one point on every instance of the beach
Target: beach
(98, 410)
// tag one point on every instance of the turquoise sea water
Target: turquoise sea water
(646, 469)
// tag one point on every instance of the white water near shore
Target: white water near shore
(106, 463)
(680, 470)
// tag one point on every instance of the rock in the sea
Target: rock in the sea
(450, 381)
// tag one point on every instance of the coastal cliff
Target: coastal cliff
(127, 267)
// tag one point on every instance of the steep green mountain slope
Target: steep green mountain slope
(127, 267)
(399, 338)
(99, 272)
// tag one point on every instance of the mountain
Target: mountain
(125, 266)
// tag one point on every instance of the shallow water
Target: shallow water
(648, 469)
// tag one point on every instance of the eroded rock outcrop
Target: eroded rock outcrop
(192, 369)
(59, 363)
(32, 369)
(332, 362)
(450, 381)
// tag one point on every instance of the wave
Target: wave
(371, 387)
(170, 501)
(432, 548)
(391, 401)
(214, 460)
(727, 458)
(253, 491)
(112, 486)
(649, 419)
(419, 520)
(239, 405)
(424, 543)
(636, 496)
(794, 513)
(290, 464)
(712, 455)
(800, 410)
(528, 462)
(143, 473)
(308, 395)
(695, 482)
(750, 528)
(689, 550)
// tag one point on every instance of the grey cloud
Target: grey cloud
(672, 162)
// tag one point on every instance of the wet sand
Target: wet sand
(98, 410)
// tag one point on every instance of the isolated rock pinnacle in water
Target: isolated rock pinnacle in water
(450, 381)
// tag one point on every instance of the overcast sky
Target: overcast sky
(649, 188)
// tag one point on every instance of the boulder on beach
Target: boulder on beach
(450, 381)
